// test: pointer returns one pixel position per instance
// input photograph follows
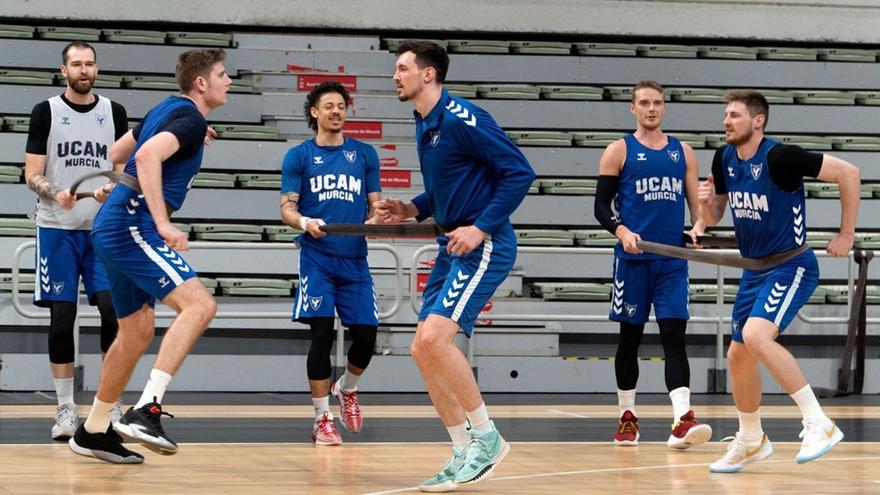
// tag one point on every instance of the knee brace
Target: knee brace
(61, 346)
(318, 363)
(363, 343)
(678, 371)
(626, 361)
(109, 323)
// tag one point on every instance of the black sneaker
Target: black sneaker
(105, 446)
(144, 426)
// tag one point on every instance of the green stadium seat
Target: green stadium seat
(243, 131)
(728, 52)
(544, 237)
(242, 86)
(463, 90)
(624, 93)
(875, 189)
(778, 96)
(786, 53)
(596, 139)
(17, 227)
(847, 55)
(151, 82)
(535, 188)
(819, 239)
(606, 49)
(17, 124)
(572, 291)
(540, 47)
(259, 181)
(14, 31)
(715, 140)
(210, 284)
(867, 97)
(808, 142)
(822, 189)
(867, 240)
(280, 233)
(818, 296)
(540, 138)
(479, 46)
(68, 33)
(569, 186)
(11, 174)
(254, 286)
(839, 293)
(594, 238)
(30, 77)
(667, 51)
(817, 97)
(214, 179)
(227, 232)
(134, 36)
(571, 92)
(698, 95)
(26, 282)
(200, 39)
(856, 143)
(183, 227)
(394, 43)
(509, 91)
(102, 81)
(709, 293)
(694, 140)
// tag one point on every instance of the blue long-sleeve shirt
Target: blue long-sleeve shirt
(473, 173)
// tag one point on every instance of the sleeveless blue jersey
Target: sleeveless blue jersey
(650, 196)
(333, 183)
(766, 219)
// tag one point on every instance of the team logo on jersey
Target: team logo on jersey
(65, 120)
(350, 155)
(163, 282)
(319, 160)
(640, 157)
(630, 309)
(315, 302)
(730, 171)
(435, 138)
(57, 287)
(756, 169)
(101, 119)
(673, 154)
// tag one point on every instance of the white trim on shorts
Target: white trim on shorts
(37, 292)
(153, 255)
(475, 280)
(789, 295)
(299, 289)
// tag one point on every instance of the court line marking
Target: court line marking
(565, 413)
(626, 469)
(45, 395)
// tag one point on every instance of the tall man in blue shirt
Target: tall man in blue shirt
(134, 237)
(763, 181)
(474, 180)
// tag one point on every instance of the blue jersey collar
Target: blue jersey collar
(433, 118)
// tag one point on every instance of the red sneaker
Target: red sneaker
(324, 431)
(627, 430)
(687, 432)
(349, 409)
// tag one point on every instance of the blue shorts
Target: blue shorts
(334, 282)
(640, 283)
(460, 286)
(140, 266)
(63, 256)
(776, 294)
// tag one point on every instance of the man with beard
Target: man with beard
(475, 178)
(69, 137)
(334, 179)
(763, 181)
(649, 175)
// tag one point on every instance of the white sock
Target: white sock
(750, 426)
(626, 399)
(809, 406)
(459, 435)
(64, 390)
(99, 417)
(681, 402)
(155, 389)
(479, 418)
(349, 381)
(322, 405)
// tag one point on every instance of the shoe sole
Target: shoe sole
(152, 443)
(627, 443)
(755, 458)
(836, 437)
(697, 435)
(446, 486)
(490, 470)
(62, 437)
(335, 392)
(103, 456)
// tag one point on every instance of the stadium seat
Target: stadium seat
(569, 186)
(15, 31)
(778, 96)
(134, 36)
(509, 91)
(393, 43)
(606, 49)
(867, 240)
(715, 141)
(709, 292)
(544, 237)
(856, 143)
(68, 33)
(838, 294)
(463, 90)
(251, 132)
(17, 124)
(694, 140)
(540, 138)
(540, 47)
(26, 282)
(214, 179)
(787, 53)
(594, 238)
(479, 46)
(254, 286)
(698, 95)
(280, 233)
(102, 81)
(824, 97)
(808, 142)
(847, 55)
(596, 139)
(150, 82)
(624, 93)
(728, 52)
(667, 51)
(572, 291)
(819, 239)
(242, 86)
(11, 174)
(571, 92)
(871, 98)
(259, 181)
(535, 188)
(17, 227)
(199, 39)
(227, 232)
(30, 77)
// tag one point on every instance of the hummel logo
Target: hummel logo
(163, 282)
(462, 113)
(640, 157)
(134, 203)
(319, 160)
(130, 211)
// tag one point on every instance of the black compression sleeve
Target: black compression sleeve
(605, 192)
(789, 164)
(38, 129)
(120, 120)
(718, 176)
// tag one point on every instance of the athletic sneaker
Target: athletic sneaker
(144, 426)
(66, 422)
(116, 413)
(444, 480)
(687, 432)
(349, 409)
(324, 431)
(627, 430)
(485, 451)
(739, 454)
(104, 446)
(819, 438)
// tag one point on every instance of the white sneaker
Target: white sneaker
(819, 438)
(66, 422)
(116, 413)
(739, 455)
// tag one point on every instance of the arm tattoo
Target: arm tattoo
(291, 202)
(43, 187)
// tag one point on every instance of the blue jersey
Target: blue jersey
(766, 219)
(473, 173)
(650, 198)
(181, 117)
(333, 183)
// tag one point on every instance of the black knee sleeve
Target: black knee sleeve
(626, 361)
(363, 343)
(678, 371)
(62, 317)
(318, 363)
(109, 323)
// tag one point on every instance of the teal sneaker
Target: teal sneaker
(444, 481)
(484, 453)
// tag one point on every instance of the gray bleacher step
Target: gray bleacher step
(16, 31)
(808, 142)
(199, 39)
(31, 77)
(68, 33)
(698, 95)
(540, 47)
(709, 292)
(150, 82)
(544, 237)
(463, 90)
(667, 51)
(594, 238)
(606, 49)
(569, 186)
(856, 143)
(728, 52)
(540, 138)
(787, 53)
(583, 93)
(509, 91)
(847, 55)
(596, 139)
(139, 36)
(479, 46)
(824, 97)
(394, 43)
